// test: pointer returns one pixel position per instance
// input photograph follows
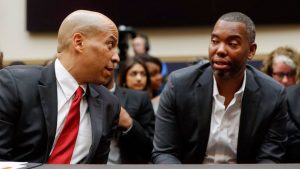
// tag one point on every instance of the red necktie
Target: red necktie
(64, 147)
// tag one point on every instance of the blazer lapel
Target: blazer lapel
(121, 94)
(48, 95)
(249, 115)
(203, 100)
(95, 108)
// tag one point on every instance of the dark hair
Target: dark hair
(128, 65)
(17, 62)
(148, 58)
(1, 60)
(146, 39)
(242, 18)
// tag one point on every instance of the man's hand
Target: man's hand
(125, 120)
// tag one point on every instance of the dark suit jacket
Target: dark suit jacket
(28, 115)
(183, 120)
(136, 145)
(293, 145)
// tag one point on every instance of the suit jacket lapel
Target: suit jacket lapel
(95, 108)
(203, 95)
(121, 94)
(48, 95)
(249, 115)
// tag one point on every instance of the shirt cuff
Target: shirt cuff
(126, 131)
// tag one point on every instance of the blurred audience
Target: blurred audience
(283, 65)
(154, 67)
(141, 45)
(133, 143)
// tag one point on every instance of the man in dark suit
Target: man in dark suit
(292, 154)
(35, 100)
(133, 144)
(224, 111)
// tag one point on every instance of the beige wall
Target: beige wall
(18, 44)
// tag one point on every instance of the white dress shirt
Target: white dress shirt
(66, 87)
(224, 127)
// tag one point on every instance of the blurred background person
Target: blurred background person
(292, 154)
(154, 67)
(141, 45)
(17, 62)
(283, 65)
(133, 143)
(1, 60)
(134, 75)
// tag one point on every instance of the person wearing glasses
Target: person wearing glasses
(282, 65)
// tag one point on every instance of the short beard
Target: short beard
(223, 75)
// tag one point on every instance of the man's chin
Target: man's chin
(222, 75)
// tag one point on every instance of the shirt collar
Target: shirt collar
(66, 81)
(113, 89)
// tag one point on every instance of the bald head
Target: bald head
(85, 22)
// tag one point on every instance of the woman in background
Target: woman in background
(282, 64)
(154, 66)
(134, 75)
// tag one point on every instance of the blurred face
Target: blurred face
(136, 78)
(138, 45)
(101, 56)
(284, 74)
(155, 75)
(229, 49)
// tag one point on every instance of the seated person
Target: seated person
(225, 111)
(141, 46)
(292, 154)
(282, 65)
(135, 75)
(154, 67)
(133, 145)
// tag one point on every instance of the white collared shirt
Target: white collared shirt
(66, 87)
(224, 127)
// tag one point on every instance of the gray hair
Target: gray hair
(286, 60)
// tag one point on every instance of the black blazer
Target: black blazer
(28, 115)
(293, 145)
(183, 119)
(136, 145)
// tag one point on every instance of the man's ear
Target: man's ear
(78, 41)
(252, 50)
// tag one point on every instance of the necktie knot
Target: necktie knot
(78, 92)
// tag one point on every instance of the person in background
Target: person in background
(135, 75)
(60, 113)
(17, 62)
(283, 65)
(154, 67)
(1, 60)
(292, 154)
(141, 46)
(223, 111)
(133, 143)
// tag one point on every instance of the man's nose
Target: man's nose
(221, 50)
(115, 60)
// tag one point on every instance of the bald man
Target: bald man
(35, 101)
